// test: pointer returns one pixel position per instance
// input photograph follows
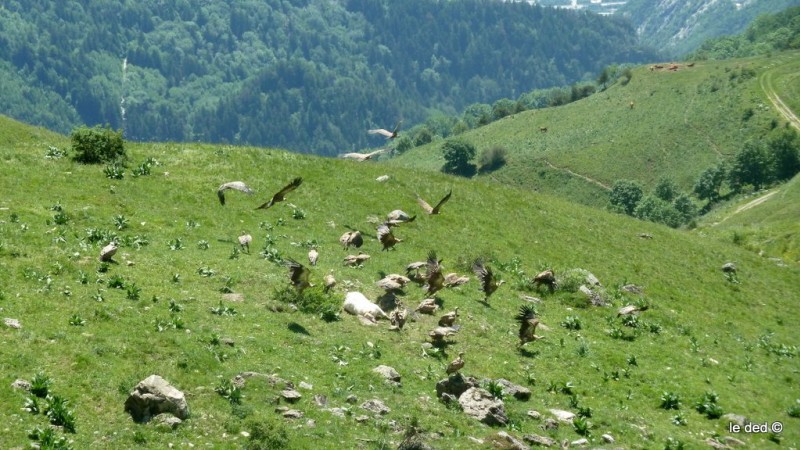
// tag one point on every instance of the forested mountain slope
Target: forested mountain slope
(680, 26)
(309, 75)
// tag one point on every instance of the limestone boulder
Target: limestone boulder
(154, 396)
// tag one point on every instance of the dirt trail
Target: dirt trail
(765, 80)
(583, 177)
(749, 205)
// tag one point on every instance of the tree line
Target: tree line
(307, 75)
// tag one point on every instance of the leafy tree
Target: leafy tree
(750, 166)
(709, 183)
(625, 195)
(97, 145)
(685, 207)
(457, 156)
(423, 136)
(665, 189)
(785, 149)
(657, 210)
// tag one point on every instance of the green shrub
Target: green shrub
(40, 385)
(670, 400)
(492, 159)
(97, 145)
(266, 434)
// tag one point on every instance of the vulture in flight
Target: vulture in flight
(389, 134)
(488, 282)
(298, 274)
(434, 279)
(237, 185)
(435, 209)
(386, 236)
(279, 197)
(527, 324)
(360, 157)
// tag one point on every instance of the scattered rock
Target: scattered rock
(12, 323)
(352, 399)
(542, 441)
(455, 385)
(535, 415)
(233, 297)
(645, 235)
(388, 373)
(382, 178)
(729, 267)
(510, 442)
(108, 252)
(23, 385)
(166, 422)
(306, 386)
(375, 406)
(580, 442)
(515, 390)
(227, 341)
(476, 440)
(290, 395)
(563, 416)
(293, 414)
(736, 419)
(550, 424)
(153, 396)
(320, 400)
(238, 381)
(478, 403)
(448, 398)
(310, 423)
(362, 419)
(713, 443)
(633, 289)
(732, 441)
(607, 438)
(338, 412)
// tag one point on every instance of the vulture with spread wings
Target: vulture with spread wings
(362, 156)
(389, 134)
(435, 209)
(236, 185)
(279, 197)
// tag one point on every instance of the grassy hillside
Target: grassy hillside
(702, 333)
(682, 122)
(765, 222)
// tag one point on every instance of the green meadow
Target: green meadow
(161, 308)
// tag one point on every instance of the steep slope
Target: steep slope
(765, 222)
(178, 252)
(682, 121)
(680, 26)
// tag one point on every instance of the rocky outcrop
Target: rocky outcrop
(479, 404)
(154, 396)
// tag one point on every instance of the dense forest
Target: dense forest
(308, 75)
(776, 32)
(679, 27)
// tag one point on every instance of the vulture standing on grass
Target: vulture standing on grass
(527, 324)
(435, 209)
(329, 281)
(392, 282)
(434, 280)
(244, 241)
(386, 236)
(453, 279)
(412, 270)
(354, 260)
(351, 238)
(449, 319)
(280, 195)
(389, 134)
(427, 306)
(488, 282)
(398, 317)
(313, 255)
(298, 274)
(237, 185)
(439, 334)
(456, 365)
(548, 278)
(360, 157)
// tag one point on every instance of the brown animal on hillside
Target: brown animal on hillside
(543, 129)
(280, 195)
